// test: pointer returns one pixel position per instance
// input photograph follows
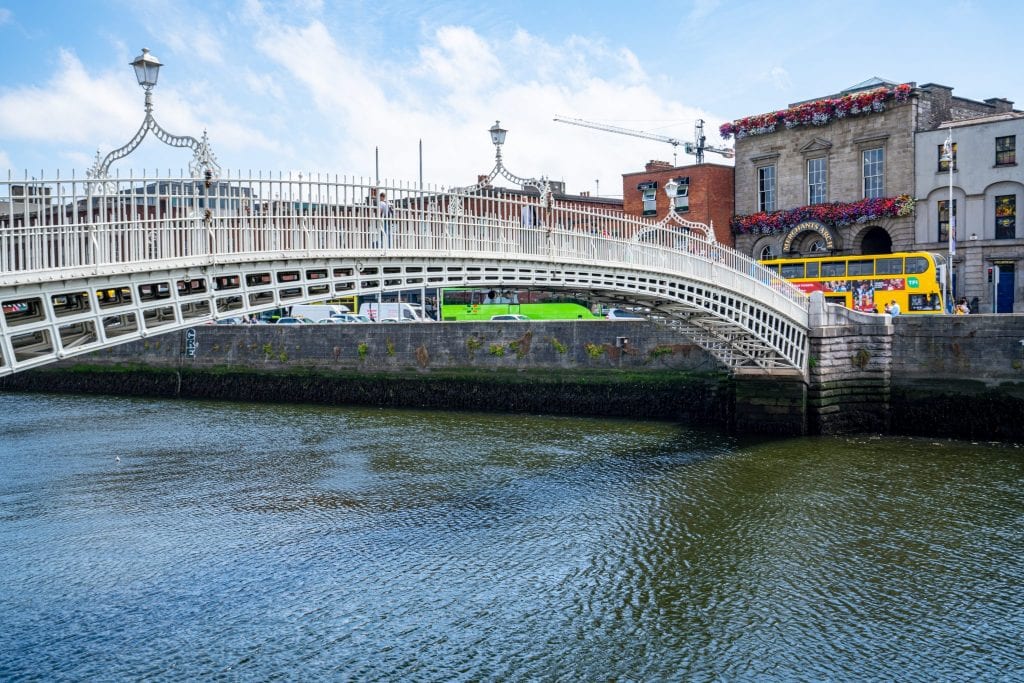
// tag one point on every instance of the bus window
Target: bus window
(792, 270)
(916, 264)
(862, 267)
(840, 299)
(812, 268)
(772, 267)
(889, 266)
(833, 269)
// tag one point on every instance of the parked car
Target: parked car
(351, 318)
(622, 314)
(229, 321)
(290, 321)
(509, 316)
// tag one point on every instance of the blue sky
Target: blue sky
(328, 87)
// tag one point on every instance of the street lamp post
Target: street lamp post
(947, 285)
(203, 164)
(498, 139)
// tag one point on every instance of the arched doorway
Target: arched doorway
(876, 241)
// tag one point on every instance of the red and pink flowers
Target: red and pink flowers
(835, 214)
(816, 113)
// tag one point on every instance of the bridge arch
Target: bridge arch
(87, 270)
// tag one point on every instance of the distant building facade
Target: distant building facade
(704, 194)
(836, 175)
(987, 195)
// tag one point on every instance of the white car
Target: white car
(621, 314)
(509, 316)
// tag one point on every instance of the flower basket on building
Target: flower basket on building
(816, 113)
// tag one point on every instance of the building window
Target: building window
(1006, 150)
(817, 180)
(874, 173)
(683, 198)
(944, 219)
(650, 197)
(766, 188)
(944, 163)
(1006, 217)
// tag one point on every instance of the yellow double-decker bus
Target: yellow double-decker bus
(869, 282)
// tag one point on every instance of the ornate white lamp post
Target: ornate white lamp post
(203, 164)
(498, 139)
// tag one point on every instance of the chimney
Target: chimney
(480, 179)
(655, 165)
(1000, 105)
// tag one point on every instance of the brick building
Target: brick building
(837, 174)
(704, 195)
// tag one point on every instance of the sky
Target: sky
(355, 90)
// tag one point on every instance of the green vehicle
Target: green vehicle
(483, 304)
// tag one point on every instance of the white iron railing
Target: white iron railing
(54, 229)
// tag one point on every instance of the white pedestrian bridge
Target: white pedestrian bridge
(87, 264)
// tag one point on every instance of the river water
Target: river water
(175, 540)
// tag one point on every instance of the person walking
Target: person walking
(384, 210)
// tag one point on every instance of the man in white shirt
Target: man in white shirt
(384, 210)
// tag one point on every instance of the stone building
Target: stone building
(987, 193)
(704, 194)
(835, 175)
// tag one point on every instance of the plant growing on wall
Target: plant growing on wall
(362, 350)
(558, 346)
(594, 350)
(390, 347)
(497, 350)
(662, 350)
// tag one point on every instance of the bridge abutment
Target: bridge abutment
(849, 370)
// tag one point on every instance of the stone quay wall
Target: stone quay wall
(631, 369)
(938, 376)
(955, 376)
(959, 376)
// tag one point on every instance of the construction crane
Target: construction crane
(696, 148)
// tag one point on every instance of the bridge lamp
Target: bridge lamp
(147, 68)
(498, 134)
(671, 188)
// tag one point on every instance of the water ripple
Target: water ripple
(190, 540)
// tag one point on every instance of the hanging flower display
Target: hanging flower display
(816, 113)
(835, 214)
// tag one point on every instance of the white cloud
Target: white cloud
(5, 162)
(308, 95)
(459, 61)
(72, 107)
(5, 16)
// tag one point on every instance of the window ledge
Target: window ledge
(1005, 165)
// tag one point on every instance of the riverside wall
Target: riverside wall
(956, 376)
(624, 368)
(942, 376)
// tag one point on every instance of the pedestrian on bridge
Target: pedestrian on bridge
(385, 211)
